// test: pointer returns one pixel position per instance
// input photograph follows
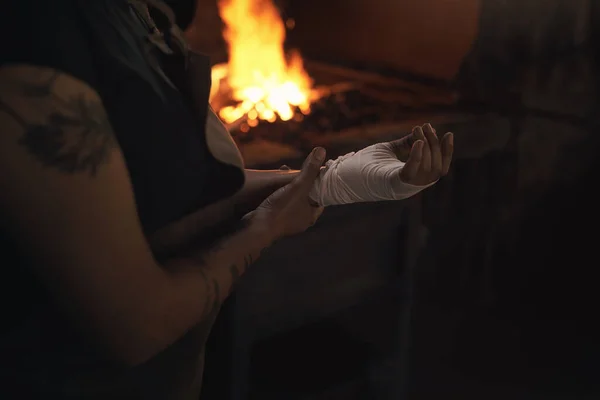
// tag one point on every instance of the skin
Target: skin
(59, 156)
(257, 187)
(427, 157)
(65, 195)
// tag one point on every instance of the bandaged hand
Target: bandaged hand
(385, 171)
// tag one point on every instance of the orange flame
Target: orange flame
(262, 82)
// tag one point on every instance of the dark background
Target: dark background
(504, 301)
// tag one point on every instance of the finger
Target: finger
(412, 166)
(310, 169)
(402, 147)
(434, 147)
(426, 158)
(418, 134)
(447, 151)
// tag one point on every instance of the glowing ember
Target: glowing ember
(261, 81)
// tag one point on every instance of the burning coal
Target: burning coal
(259, 82)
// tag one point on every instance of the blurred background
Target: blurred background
(480, 288)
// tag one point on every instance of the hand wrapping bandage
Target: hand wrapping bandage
(372, 174)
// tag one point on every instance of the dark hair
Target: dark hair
(115, 27)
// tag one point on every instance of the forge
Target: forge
(279, 103)
(354, 109)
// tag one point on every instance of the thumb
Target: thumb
(311, 168)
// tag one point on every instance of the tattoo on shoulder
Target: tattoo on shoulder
(72, 135)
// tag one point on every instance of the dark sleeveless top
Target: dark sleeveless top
(173, 172)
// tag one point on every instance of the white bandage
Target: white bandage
(372, 174)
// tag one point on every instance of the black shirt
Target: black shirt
(173, 173)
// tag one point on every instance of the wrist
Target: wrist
(260, 185)
(273, 177)
(260, 229)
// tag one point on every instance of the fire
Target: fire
(259, 82)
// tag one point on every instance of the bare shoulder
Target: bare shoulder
(58, 119)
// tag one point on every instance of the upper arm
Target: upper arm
(66, 197)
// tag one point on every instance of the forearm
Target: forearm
(258, 185)
(199, 282)
(203, 274)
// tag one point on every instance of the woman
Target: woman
(117, 186)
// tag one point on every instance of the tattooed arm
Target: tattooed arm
(183, 233)
(66, 197)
